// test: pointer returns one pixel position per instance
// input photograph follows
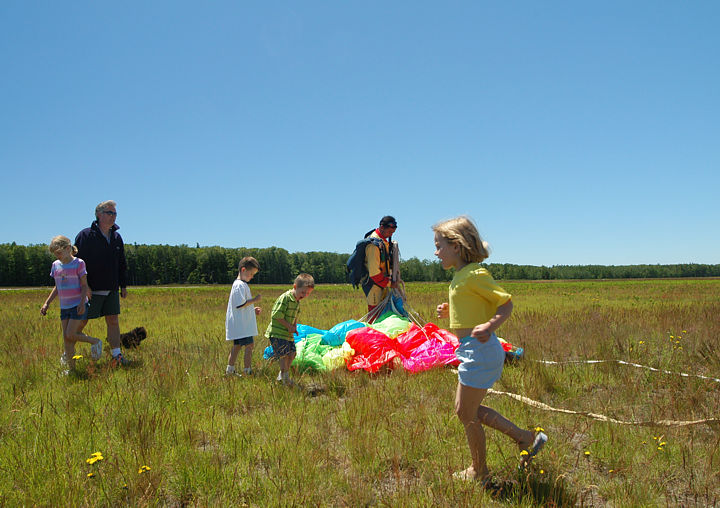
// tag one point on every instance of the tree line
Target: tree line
(165, 264)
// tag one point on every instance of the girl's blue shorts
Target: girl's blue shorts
(481, 363)
(72, 313)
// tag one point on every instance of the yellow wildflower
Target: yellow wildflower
(524, 452)
(587, 453)
(77, 357)
(90, 475)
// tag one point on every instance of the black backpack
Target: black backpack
(357, 273)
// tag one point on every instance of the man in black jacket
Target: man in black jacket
(103, 251)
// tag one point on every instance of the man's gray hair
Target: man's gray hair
(104, 206)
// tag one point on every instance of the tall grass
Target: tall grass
(174, 431)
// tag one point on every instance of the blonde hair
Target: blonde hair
(461, 231)
(304, 280)
(103, 206)
(60, 242)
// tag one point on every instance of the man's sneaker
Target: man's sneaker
(232, 372)
(119, 361)
(248, 371)
(63, 360)
(96, 350)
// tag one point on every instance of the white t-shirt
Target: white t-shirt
(240, 323)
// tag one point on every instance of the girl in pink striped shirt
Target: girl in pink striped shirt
(71, 286)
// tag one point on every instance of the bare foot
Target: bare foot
(470, 474)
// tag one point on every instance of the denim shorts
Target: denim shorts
(72, 313)
(245, 341)
(282, 347)
(481, 363)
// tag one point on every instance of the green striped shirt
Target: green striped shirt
(285, 307)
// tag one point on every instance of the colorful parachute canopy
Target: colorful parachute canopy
(392, 341)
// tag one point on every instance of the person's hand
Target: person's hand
(123, 292)
(81, 309)
(44, 309)
(257, 311)
(443, 310)
(482, 332)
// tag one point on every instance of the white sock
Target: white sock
(230, 369)
(279, 378)
(115, 351)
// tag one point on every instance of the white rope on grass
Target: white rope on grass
(648, 423)
(622, 362)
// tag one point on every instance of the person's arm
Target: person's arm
(50, 298)
(290, 327)
(279, 312)
(85, 294)
(251, 300)
(483, 331)
(443, 310)
(122, 268)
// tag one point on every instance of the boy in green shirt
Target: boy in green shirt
(283, 323)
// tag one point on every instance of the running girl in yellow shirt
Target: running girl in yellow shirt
(477, 307)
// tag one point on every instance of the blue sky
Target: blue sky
(572, 132)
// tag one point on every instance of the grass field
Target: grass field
(173, 431)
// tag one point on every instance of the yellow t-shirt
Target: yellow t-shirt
(474, 297)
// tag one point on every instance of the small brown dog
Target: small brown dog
(133, 338)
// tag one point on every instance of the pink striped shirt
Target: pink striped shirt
(67, 281)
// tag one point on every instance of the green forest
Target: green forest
(165, 264)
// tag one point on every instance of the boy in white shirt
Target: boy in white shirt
(240, 321)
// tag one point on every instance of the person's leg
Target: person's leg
(467, 402)
(68, 346)
(233, 355)
(113, 331)
(491, 418)
(248, 356)
(73, 331)
(284, 364)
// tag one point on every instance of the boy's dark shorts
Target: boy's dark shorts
(72, 313)
(104, 305)
(282, 347)
(245, 341)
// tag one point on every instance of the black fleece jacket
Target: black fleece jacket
(105, 262)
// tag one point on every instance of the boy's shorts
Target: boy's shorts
(282, 347)
(104, 305)
(72, 313)
(245, 341)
